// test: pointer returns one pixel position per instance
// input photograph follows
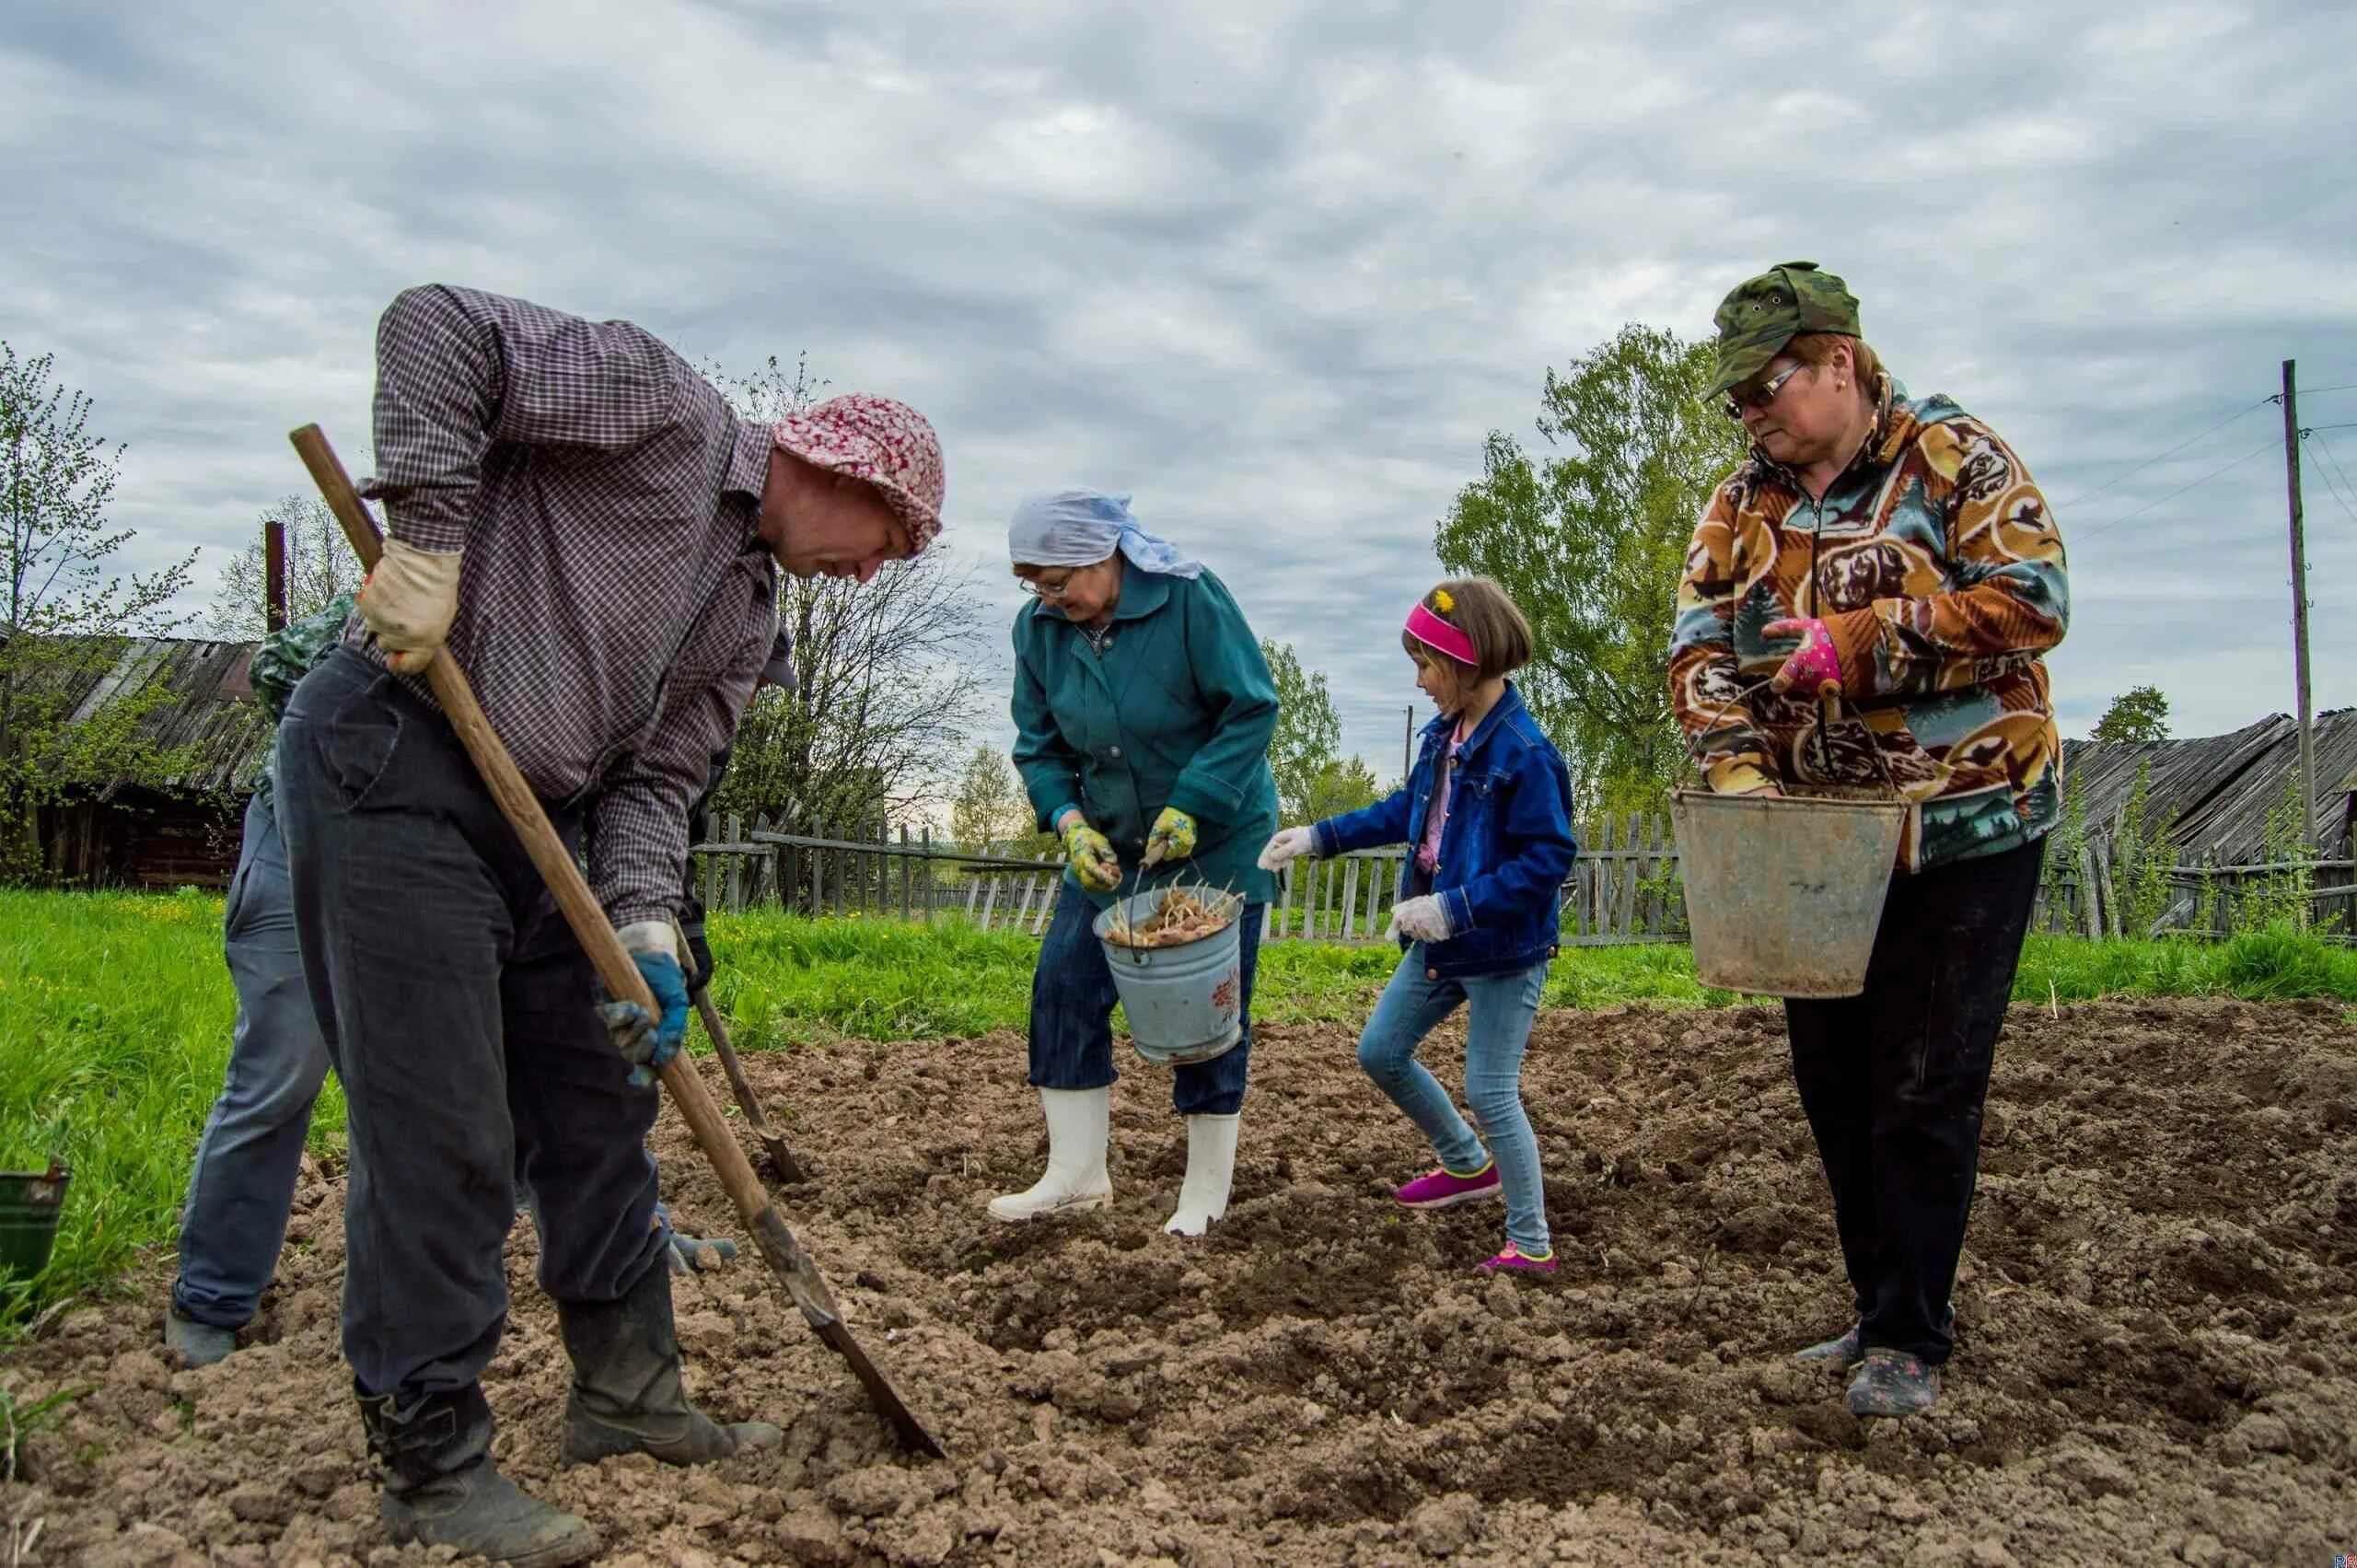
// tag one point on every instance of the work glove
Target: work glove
(1091, 853)
(1172, 837)
(409, 601)
(1813, 665)
(648, 1043)
(1288, 845)
(691, 1254)
(1419, 920)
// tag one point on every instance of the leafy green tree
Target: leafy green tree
(2139, 714)
(68, 613)
(1343, 784)
(1308, 738)
(1591, 541)
(990, 812)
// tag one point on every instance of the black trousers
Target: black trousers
(1894, 1082)
(459, 1013)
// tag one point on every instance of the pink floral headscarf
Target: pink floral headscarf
(884, 442)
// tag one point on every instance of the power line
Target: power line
(2269, 445)
(2319, 391)
(2344, 424)
(2173, 451)
(2326, 447)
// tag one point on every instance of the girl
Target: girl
(1489, 806)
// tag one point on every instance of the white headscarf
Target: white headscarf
(1080, 528)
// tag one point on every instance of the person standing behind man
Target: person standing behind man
(578, 519)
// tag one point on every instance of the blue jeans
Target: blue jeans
(1499, 1008)
(1072, 1015)
(251, 1150)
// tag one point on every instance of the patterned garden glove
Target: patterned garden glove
(409, 602)
(1813, 665)
(1419, 920)
(1091, 855)
(647, 1043)
(1172, 837)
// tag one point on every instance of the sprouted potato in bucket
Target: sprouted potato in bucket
(1181, 917)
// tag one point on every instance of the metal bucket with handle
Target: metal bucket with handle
(1185, 1002)
(1784, 893)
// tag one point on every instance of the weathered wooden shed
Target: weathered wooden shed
(2217, 793)
(180, 827)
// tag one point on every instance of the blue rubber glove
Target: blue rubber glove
(647, 1043)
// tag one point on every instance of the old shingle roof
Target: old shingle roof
(2217, 792)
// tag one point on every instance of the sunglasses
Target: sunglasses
(1762, 395)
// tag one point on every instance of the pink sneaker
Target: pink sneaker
(1512, 1261)
(1442, 1187)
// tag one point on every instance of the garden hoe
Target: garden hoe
(782, 1164)
(803, 1282)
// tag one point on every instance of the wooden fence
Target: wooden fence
(1624, 888)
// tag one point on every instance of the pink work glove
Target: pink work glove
(1813, 665)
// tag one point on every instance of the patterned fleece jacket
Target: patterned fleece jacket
(1936, 566)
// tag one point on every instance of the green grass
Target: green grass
(115, 1030)
(115, 1012)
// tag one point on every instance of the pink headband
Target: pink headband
(1434, 633)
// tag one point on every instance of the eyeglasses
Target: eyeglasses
(1039, 589)
(1761, 395)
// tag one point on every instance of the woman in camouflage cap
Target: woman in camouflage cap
(1893, 554)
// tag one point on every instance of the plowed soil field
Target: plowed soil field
(2157, 1357)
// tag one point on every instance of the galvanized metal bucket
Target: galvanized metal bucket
(1785, 894)
(1185, 1003)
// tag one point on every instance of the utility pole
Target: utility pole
(2300, 606)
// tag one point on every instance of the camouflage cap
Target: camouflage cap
(1765, 313)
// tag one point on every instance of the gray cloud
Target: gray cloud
(1274, 269)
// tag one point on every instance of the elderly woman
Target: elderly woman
(1866, 602)
(1143, 713)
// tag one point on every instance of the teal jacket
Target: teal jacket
(1178, 711)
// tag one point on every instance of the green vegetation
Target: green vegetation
(115, 1013)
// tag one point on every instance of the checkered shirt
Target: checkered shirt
(616, 604)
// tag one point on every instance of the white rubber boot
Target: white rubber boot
(1211, 1165)
(1078, 1121)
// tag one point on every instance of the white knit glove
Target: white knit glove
(1289, 845)
(1419, 920)
(409, 601)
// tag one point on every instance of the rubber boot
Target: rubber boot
(1210, 1166)
(1078, 1123)
(441, 1488)
(200, 1344)
(627, 1396)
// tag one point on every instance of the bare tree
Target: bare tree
(319, 565)
(891, 674)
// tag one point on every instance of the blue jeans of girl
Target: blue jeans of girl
(1498, 1010)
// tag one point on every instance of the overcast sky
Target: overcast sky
(1273, 269)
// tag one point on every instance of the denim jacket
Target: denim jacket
(1505, 851)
